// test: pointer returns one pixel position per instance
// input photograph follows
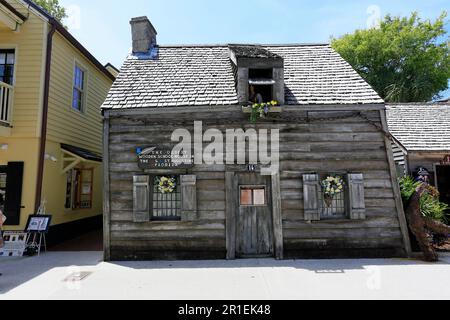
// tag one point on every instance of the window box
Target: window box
(248, 109)
(261, 110)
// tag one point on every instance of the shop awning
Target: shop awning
(74, 156)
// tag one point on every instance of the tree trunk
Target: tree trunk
(437, 227)
(419, 225)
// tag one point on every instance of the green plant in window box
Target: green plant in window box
(166, 185)
(331, 187)
(261, 110)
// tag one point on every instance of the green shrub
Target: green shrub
(407, 187)
(430, 205)
(432, 208)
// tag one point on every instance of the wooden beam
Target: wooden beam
(395, 185)
(106, 192)
(75, 160)
(277, 217)
(231, 185)
(8, 21)
(72, 155)
(71, 166)
(238, 108)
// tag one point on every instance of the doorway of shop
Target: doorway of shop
(77, 236)
(443, 182)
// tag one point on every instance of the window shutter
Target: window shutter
(311, 189)
(188, 197)
(357, 203)
(141, 198)
(13, 201)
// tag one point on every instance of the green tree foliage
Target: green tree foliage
(53, 8)
(405, 60)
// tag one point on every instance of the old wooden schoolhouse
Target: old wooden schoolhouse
(331, 124)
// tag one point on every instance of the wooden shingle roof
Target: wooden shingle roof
(204, 76)
(421, 127)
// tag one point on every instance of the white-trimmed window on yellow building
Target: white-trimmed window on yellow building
(7, 62)
(79, 88)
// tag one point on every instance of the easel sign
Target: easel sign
(15, 244)
(38, 223)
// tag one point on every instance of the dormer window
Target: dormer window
(259, 74)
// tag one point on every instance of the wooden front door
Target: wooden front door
(254, 216)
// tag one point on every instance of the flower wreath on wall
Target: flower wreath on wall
(166, 185)
(331, 187)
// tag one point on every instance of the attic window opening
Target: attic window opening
(261, 77)
(266, 74)
(260, 85)
(260, 93)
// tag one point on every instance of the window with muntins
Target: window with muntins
(78, 89)
(335, 208)
(166, 204)
(7, 61)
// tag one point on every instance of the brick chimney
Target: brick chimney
(143, 34)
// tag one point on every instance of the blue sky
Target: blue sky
(96, 22)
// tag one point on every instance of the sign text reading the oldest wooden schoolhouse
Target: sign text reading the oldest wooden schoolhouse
(163, 158)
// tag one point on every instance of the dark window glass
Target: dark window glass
(78, 89)
(260, 73)
(7, 61)
(266, 92)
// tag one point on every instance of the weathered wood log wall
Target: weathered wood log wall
(340, 144)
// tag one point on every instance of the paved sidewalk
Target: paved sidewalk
(42, 278)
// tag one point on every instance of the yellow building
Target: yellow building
(51, 90)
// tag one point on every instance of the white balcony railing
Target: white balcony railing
(6, 103)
